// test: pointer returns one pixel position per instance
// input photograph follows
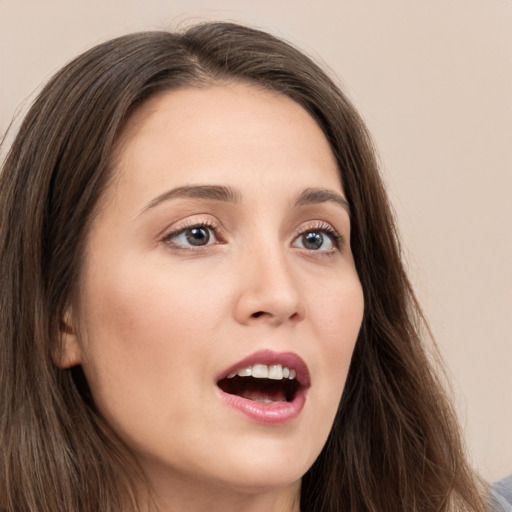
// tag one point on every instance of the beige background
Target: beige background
(433, 80)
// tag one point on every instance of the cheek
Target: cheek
(144, 329)
(148, 301)
(337, 313)
(336, 310)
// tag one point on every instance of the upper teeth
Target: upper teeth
(263, 371)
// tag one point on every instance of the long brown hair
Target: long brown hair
(394, 445)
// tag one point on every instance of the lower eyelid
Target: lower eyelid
(335, 239)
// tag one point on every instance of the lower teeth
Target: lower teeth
(264, 400)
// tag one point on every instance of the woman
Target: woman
(203, 302)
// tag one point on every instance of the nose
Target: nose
(269, 291)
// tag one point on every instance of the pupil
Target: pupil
(313, 240)
(198, 236)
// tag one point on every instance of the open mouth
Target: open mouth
(269, 388)
(262, 383)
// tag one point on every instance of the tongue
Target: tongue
(259, 390)
(266, 396)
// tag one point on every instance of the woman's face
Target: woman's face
(222, 246)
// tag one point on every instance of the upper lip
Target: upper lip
(269, 357)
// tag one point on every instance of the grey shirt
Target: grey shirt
(501, 497)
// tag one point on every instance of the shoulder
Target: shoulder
(501, 495)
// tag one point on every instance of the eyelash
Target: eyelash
(209, 224)
(323, 228)
(318, 226)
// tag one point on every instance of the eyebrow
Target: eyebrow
(321, 195)
(230, 195)
(215, 192)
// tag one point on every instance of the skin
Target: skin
(157, 320)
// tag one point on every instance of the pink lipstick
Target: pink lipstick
(268, 387)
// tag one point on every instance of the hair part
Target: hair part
(394, 446)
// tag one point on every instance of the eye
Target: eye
(199, 235)
(322, 239)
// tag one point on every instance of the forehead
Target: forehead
(227, 133)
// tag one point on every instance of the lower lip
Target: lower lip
(275, 413)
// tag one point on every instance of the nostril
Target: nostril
(258, 314)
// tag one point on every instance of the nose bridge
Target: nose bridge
(270, 290)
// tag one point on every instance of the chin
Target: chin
(266, 468)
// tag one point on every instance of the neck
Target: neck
(192, 496)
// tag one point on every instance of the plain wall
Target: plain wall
(433, 79)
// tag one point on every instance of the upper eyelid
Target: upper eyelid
(216, 226)
(338, 239)
(184, 224)
(320, 225)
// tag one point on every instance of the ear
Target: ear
(68, 353)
